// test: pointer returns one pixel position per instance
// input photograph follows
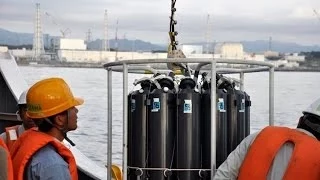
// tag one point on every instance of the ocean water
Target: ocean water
(294, 91)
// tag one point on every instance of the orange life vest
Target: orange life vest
(29, 143)
(303, 164)
(11, 135)
(9, 162)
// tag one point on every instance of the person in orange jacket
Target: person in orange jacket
(39, 153)
(278, 152)
(6, 172)
(12, 133)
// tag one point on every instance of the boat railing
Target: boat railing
(146, 66)
(8, 116)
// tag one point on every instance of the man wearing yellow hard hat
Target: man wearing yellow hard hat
(40, 154)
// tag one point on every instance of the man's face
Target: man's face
(73, 117)
(67, 120)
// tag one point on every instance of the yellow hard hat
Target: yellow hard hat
(50, 97)
(116, 172)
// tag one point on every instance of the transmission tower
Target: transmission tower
(88, 36)
(105, 42)
(116, 41)
(37, 48)
(270, 43)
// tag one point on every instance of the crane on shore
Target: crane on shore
(64, 31)
(317, 14)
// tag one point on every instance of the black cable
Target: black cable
(69, 140)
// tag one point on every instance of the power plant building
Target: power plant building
(104, 56)
(71, 44)
(191, 49)
(229, 50)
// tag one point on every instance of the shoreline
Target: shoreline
(99, 65)
(68, 65)
(298, 69)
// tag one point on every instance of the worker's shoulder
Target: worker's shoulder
(47, 156)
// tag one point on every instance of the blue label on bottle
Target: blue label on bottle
(242, 107)
(220, 105)
(133, 105)
(187, 106)
(155, 105)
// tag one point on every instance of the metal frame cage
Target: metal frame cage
(150, 66)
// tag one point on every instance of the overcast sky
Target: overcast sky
(148, 20)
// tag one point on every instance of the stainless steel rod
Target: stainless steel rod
(271, 96)
(241, 81)
(125, 121)
(213, 118)
(109, 98)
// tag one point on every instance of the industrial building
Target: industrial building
(295, 57)
(71, 52)
(70, 44)
(74, 50)
(191, 49)
(3, 48)
(104, 56)
(229, 50)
